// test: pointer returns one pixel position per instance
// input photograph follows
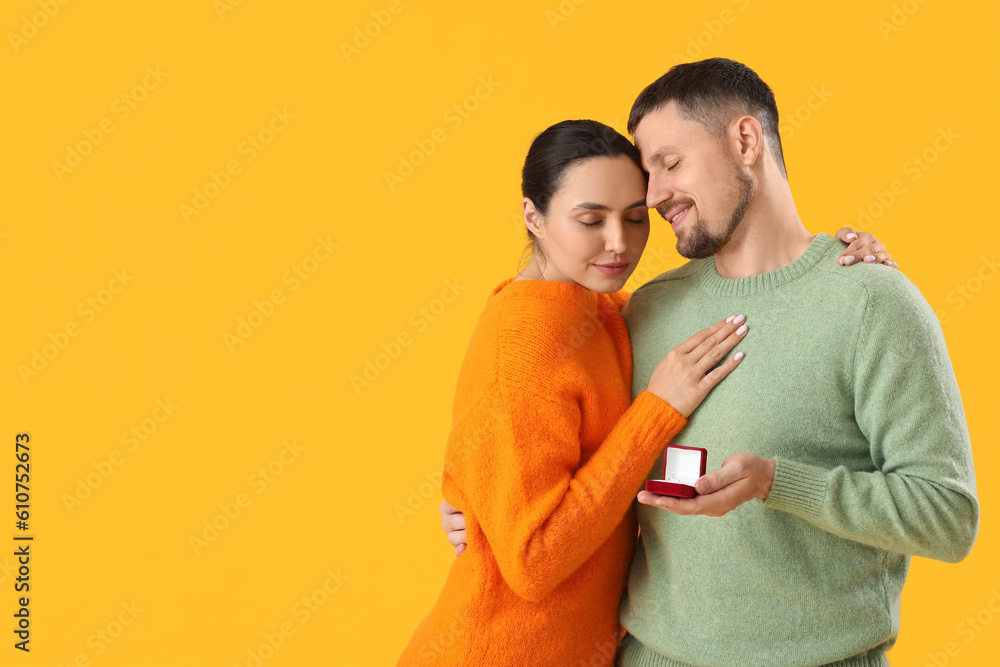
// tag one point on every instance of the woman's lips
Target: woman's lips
(612, 269)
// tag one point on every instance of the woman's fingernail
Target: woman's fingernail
(730, 319)
(869, 258)
(851, 236)
(737, 356)
(739, 319)
(849, 259)
(742, 330)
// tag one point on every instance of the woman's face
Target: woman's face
(597, 224)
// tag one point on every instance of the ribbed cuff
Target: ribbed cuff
(634, 653)
(797, 488)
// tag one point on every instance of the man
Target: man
(841, 445)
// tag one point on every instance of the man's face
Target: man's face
(695, 181)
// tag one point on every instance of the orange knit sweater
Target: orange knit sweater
(544, 457)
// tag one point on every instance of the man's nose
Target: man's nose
(658, 191)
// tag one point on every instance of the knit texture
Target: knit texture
(847, 384)
(544, 457)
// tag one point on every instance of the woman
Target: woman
(546, 453)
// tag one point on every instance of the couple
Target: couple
(839, 445)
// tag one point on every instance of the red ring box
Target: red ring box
(686, 464)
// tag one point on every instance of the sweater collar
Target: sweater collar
(573, 295)
(714, 283)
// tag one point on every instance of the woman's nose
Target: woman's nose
(614, 240)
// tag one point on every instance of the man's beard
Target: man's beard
(699, 243)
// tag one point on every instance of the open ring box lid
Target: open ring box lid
(682, 466)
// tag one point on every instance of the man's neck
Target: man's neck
(770, 237)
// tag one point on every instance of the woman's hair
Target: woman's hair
(559, 147)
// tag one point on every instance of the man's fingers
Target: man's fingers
(459, 549)
(669, 503)
(456, 537)
(725, 500)
(716, 504)
(730, 471)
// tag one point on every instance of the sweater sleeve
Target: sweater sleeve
(542, 513)
(921, 499)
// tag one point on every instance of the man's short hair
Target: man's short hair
(711, 92)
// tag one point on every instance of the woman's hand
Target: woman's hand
(453, 523)
(684, 377)
(863, 246)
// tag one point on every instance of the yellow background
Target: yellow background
(892, 75)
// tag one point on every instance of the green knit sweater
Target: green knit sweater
(847, 384)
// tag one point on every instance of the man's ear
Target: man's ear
(532, 218)
(748, 137)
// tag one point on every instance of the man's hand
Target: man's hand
(741, 477)
(453, 523)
